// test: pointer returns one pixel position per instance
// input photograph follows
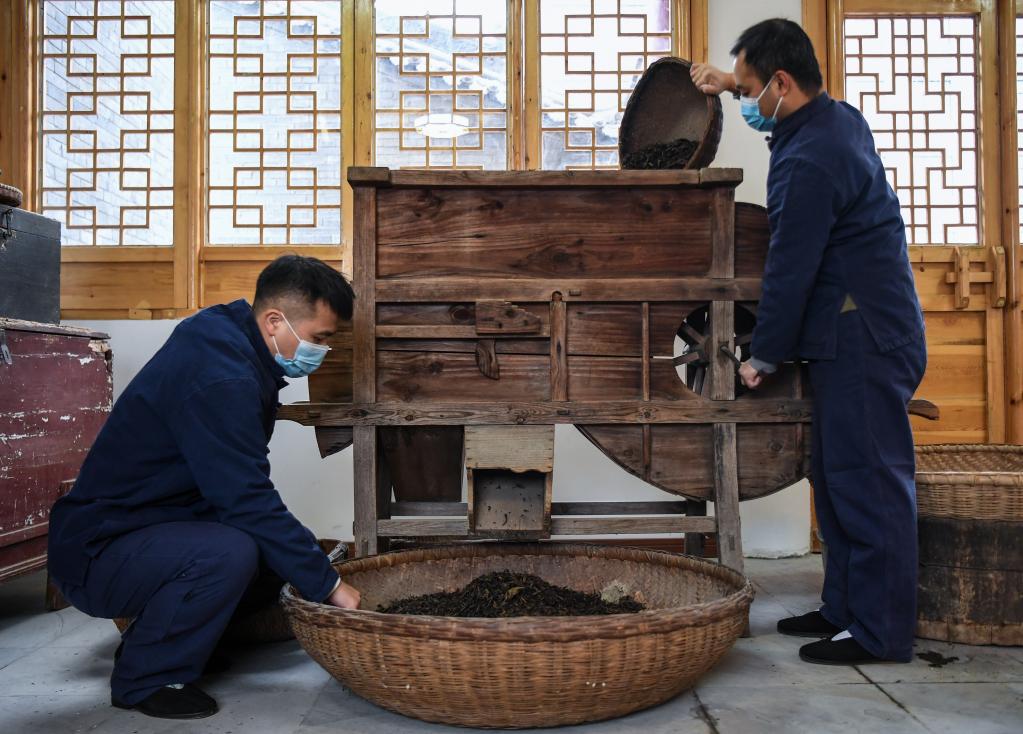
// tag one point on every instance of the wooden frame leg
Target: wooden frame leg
(366, 497)
(696, 543)
(726, 496)
(383, 496)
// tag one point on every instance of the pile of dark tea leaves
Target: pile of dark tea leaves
(509, 594)
(675, 154)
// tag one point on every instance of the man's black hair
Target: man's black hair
(306, 280)
(780, 45)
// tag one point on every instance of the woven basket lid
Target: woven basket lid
(667, 105)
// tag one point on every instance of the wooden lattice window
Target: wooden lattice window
(107, 121)
(915, 80)
(592, 53)
(274, 99)
(441, 73)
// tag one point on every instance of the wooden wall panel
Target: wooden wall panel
(116, 285)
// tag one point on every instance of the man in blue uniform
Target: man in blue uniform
(838, 292)
(173, 518)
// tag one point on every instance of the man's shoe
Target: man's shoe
(175, 701)
(812, 624)
(838, 652)
(218, 662)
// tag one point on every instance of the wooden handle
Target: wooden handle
(924, 409)
(1000, 282)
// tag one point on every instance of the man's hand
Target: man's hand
(345, 596)
(750, 377)
(712, 80)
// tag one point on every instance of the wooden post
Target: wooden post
(722, 384)
(366, 453)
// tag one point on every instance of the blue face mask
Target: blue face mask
(308, 356)
(750, 109)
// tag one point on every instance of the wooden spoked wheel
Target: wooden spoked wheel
(694, 354)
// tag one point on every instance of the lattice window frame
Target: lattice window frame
(923, 197)
(581, 26)
(71, 52)
(326, 128)
(413, 26)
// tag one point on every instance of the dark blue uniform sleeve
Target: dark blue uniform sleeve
(801, 210)
(219, 430)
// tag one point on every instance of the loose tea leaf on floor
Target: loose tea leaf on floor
(509, 594)
(675, 154)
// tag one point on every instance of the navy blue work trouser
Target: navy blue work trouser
(864, 487)
(182, 582)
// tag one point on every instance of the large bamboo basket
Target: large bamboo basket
(970, 508)
(527, 671)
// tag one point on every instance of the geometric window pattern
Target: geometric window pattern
(107, 121)
(915, 81)
(592, 53)
(441, 96)
(274, 143)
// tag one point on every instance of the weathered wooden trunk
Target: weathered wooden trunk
(55, 393)
(29, 266)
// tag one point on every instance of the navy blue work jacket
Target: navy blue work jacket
(188, 440)
(836, 229)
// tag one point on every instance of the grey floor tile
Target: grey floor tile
(954, 663)
(808, 709)
(954, 708)
(69, 671)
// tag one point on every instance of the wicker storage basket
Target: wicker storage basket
(527, 671)
(268, 624)
(667, 105)
(970, 507)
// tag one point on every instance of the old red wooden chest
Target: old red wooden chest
(55, 393)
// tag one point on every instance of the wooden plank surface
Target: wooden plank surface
(500, 412)
(459, 527)
(557, 233)
(518, 448)
(707, 177)
(448, 289)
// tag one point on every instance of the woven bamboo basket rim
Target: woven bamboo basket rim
(994, 477)
(527, 629)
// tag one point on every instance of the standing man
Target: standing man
(173, 516)
(838, 292)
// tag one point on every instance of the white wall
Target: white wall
(319, 491)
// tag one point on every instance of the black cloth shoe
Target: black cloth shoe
(842, 652)
(173, 702)
(811, 624)
(219, 662)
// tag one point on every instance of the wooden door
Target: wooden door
(928, 80)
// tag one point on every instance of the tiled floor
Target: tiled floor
(54, 669)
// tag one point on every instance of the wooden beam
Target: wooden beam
(756, 410)
(458, 509)
(537, 290)
(459, 527)
(413, 178)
